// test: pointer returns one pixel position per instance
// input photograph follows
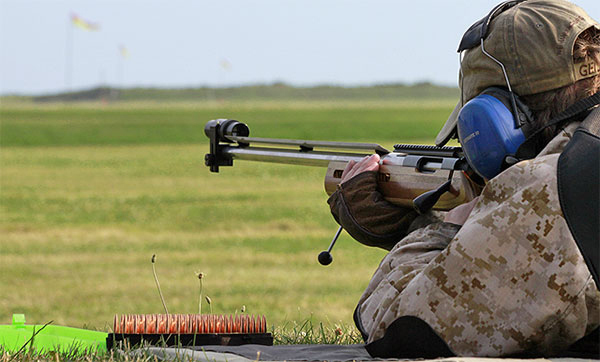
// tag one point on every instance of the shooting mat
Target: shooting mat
(311, 352)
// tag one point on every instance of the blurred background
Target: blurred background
(53, 46)
(102, 110)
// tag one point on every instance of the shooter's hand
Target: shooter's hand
(369, 163)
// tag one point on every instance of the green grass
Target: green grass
(88, 193)
(143, 124)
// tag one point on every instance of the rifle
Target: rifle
(410, 176)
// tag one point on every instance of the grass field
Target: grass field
(89, 193)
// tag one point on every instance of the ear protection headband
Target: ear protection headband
(495, 128)
(494, 124)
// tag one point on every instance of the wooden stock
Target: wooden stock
(400, 185)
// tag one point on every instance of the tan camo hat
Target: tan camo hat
(534, 40)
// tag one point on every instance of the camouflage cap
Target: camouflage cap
(534, 40)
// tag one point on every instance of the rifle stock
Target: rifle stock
(404, 175)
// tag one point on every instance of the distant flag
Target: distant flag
(83, 24)
(225, 64)
(124, 52)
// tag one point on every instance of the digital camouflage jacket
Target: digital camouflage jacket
(511, 279)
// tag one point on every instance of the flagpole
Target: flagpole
(69, 55)
(74, 20)
(120, 70)
(116, 90)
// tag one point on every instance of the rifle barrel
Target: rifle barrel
(287, 156)
(422, 163)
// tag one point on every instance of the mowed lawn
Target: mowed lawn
(89, 193)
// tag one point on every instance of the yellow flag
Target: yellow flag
(225, 64)
(124, 52)
(85, 25)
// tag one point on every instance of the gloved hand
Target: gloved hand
(362, 211)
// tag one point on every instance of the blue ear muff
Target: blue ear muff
(488, 133)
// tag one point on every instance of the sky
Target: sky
(193, 43)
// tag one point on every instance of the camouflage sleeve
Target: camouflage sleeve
(361, 210)
(406, 260)
(511, 280)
